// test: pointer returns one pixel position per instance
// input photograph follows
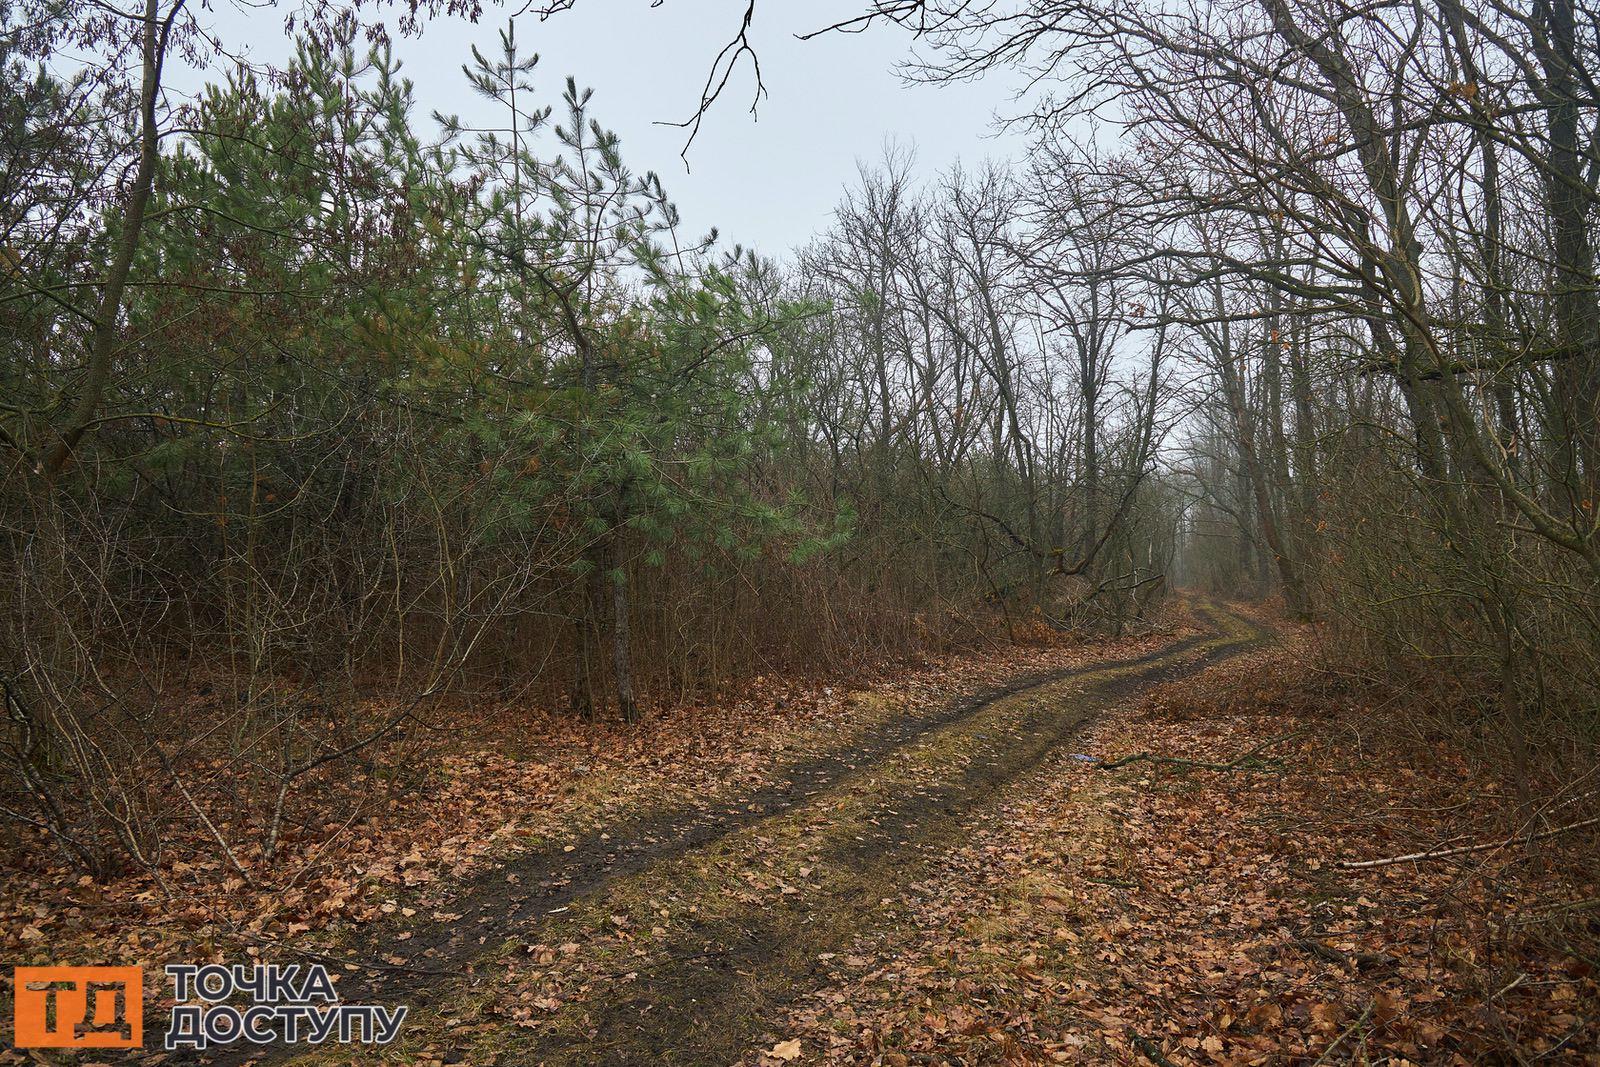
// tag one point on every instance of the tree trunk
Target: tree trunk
(1577, 317)
(1288, 574)
(103, 337)
(621, 651)
(586, 638)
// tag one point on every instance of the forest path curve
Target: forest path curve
(672, 937)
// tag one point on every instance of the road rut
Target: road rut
(715, 916)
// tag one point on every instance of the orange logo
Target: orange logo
(79, 1007)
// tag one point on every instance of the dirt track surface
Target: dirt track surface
(673, 937)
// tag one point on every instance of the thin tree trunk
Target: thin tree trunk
(587, 635)
(104, 336)
(621, 652)
(1288, 574)
(1577, 317)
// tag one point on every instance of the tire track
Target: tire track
(907, 788)
(706, 995)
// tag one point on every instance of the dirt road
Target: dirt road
(671, 937)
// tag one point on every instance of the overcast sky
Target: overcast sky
(771, 181)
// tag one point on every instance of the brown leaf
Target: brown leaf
(1327, 1016)
(786, 1050)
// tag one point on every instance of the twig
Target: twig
(1434, 854)
(673, 957)
(1366, 1013)
(1554, 910)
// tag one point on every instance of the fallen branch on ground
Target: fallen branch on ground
(1350, 961)
(1366, 1014)
(1555, 911)
(1434, 854)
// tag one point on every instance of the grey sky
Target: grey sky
(769, 182)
